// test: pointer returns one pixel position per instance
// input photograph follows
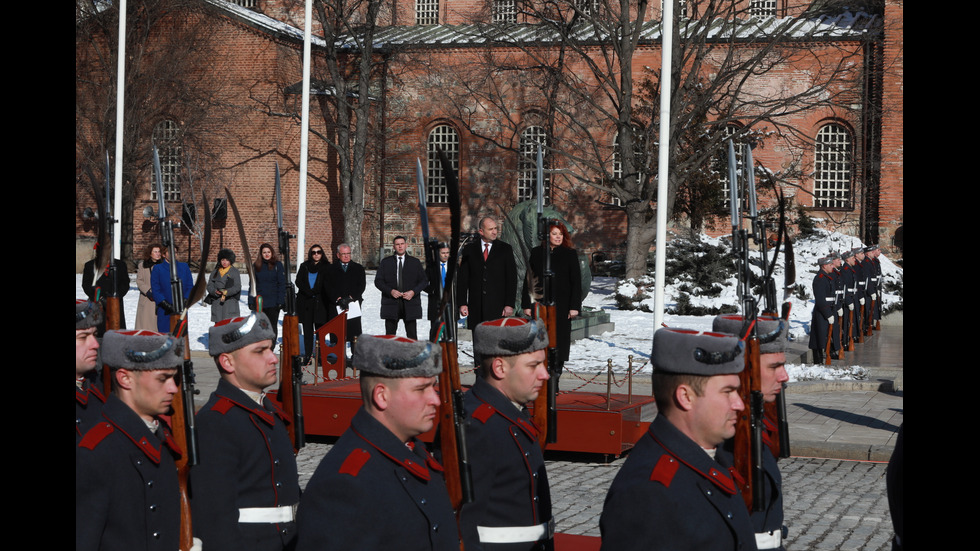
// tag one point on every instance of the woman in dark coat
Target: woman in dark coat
(270, 284)
(224, 288)
(310, 306)
(567, 285)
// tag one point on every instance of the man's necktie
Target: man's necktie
(486, 251)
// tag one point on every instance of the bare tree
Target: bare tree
(170, 80)
(592, 69)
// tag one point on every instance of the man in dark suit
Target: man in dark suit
(487, 277)
(436, 275)
(345, 284)
(401, 279)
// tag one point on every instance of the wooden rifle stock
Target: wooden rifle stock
(545, 405)
(112, 322)
(182, 427)
(747, 442)
(830, 338)
(452, 432)
(289, 395)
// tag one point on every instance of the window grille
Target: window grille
(447, 138)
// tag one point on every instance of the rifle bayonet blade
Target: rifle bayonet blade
(540, 180)
(244, 241)
(423, 211)
(278, 198)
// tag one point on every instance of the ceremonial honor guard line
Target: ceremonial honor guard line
(602, 419)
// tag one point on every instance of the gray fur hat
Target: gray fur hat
(772, 331)
(824, 260)
(857, 250)
(847, 254)
(141, 350)
(226, 253)
(396, 357)
(231, 334)
(695, 353)
(87, 314)
(508, 337)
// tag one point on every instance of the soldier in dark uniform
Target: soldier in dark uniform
(824, 311)
(512, 502)
(871, 290)
(873, 252)
(88, 393)
(127, 496)
(861, 295)
(245, 488)
(838, 280)
(849, 276)
(378, 487)
(768, 523)
(675, 491)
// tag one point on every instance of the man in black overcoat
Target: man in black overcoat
(487, 287)
(345, 284)
(401, 280)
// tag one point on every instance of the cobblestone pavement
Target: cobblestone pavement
(830, 504)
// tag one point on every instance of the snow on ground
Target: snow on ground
(631, 337)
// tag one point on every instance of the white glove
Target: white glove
(862, 302)
(197, 546)
(850, 306)
(840, 312)
(830, 320)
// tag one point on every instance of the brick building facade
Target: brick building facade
(417, 105)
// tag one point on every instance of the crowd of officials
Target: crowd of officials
(846, 302)
(380, 487)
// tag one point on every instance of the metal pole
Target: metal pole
(120, 104)
(667, 41)
(304, 143)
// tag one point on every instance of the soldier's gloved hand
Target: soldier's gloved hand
(840, 312)
(830, 320)
(850, 306)
(198, 545)
(862, 302)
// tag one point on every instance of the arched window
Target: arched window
(762, 8)
(527, 179)
(446, 138)
(832, 167)
(426, 12)
(166, 138)
(504, 11)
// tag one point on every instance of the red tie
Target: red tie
(486, 251)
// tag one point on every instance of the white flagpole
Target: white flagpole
(120, 102)
(304, 139)
(667, 41)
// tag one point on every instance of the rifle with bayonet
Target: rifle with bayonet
(291, 377)
(452, 415)
(776, 411)
(105, 263)
(545, 413)
(182, 419)
(747, 442)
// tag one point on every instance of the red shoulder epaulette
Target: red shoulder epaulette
(222, 405)
(484, 412)
(95, 435)
(665, 470)
(352, 465)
